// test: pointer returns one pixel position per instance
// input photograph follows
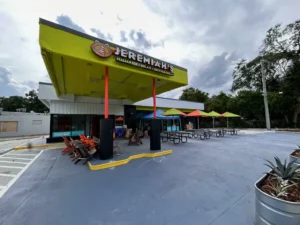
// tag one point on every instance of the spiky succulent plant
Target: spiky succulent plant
(279, 189)
(283, 171)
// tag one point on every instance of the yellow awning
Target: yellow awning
(74, 68)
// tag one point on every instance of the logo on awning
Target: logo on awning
(101, 49)
(132, 58)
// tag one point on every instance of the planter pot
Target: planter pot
(274, 211)
(295, 159)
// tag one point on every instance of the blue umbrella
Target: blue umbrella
(151, 115)
(160, 116)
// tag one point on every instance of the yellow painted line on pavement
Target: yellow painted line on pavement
(125, 161)
(37, 146)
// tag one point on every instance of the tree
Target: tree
(280, 56)
(12, 103)
(192, 94)
(30, 102)
(33, 103)
(218, 103)
(249, 105)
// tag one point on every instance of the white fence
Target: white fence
(24, 125)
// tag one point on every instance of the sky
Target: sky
(207, 37)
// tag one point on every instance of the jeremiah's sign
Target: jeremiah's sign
(135, 59)
(139, 60)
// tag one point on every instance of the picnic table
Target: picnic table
(202, 134)
(186, 133)
(175, 136)
(232, 131)
(217, 132)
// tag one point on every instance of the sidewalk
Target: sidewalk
(9, 144)
(22, 137)
(256, 131)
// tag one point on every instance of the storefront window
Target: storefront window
(78, 125)
(61, 125)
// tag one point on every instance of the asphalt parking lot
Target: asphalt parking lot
(207, 182)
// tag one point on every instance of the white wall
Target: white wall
(171, 103)
(70, 104)
(59, 107)
(25, 125)
(47, 92)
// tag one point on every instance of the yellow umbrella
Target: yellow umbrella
(174, 112)
(229, 115)
(213, 114)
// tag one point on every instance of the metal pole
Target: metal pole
(154, 97)
(198, 124)
(106, 94)
(173, 125)
(227, 123)
(267, 114)
(179, 123)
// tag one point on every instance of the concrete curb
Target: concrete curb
(125, 161)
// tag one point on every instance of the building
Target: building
(72, 115)
(94, 81)
(17, 124)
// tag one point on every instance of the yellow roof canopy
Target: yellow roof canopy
(76, 65)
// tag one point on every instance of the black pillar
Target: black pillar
(106, 139)
(130, 116)
(155, 135)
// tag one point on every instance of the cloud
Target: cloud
(193, 35)
(216, 76)
(10, 86)
(215, 28)
(176, 93)
(101, 35)
(68, 22)
(21, 63)
(213, 77)
(226, 24)
(123, 36)
(139, 41)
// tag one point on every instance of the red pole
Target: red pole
(154, 97)
(106, 94)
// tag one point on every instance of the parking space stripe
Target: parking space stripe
(12, 167)
(2, 161)
(21, 154)
(16, 177)
(7, 175)
(14, 158)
